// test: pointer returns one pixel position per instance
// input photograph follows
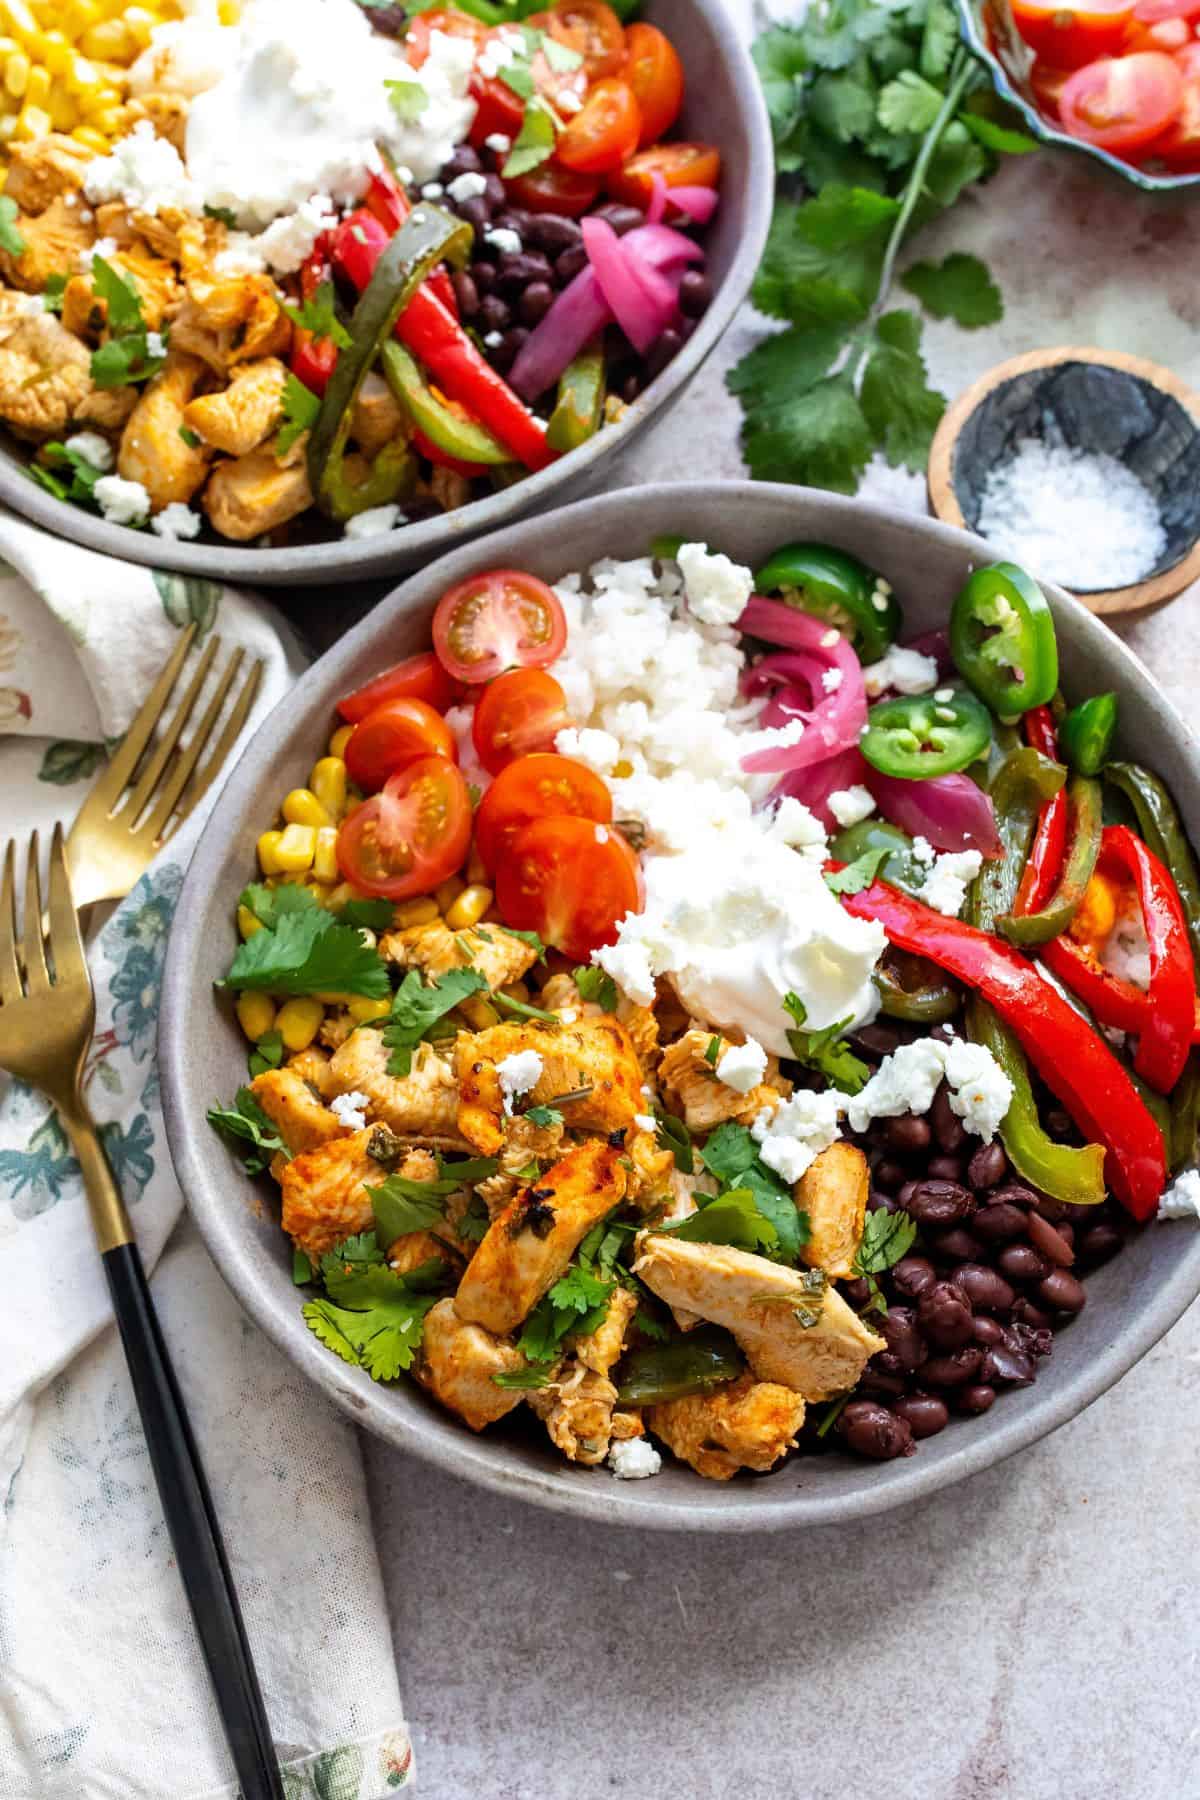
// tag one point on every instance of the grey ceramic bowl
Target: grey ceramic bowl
(202, 1052)
(723, 106)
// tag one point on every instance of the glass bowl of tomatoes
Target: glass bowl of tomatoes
(1118, 80)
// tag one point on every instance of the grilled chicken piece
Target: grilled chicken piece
(642, 1026)
(324, 1193)
(457, 1362)
(499, 957)
(255, 493)
(38, 172)
(421, 1105)
(45, 373)
(746, 1424)
(168, 113)
(577, 1411)
(594, 1054)
(758, 1302)
(152, 450)
(833, 1192)
(83, 312)
(155, 281)
(417, 1247)
(106, 409)
(303, 1121)
(55, 239)
(312, 1065)
(650, 1177)
(526, 1248)
(523, 1141)
(559, 994)
(238, 419)
(601, 1349)
(267, 331)
(690, 1077)
(377, 417)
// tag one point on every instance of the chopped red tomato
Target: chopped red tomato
(502, 619)
(416, 678)
(412, 836)
(594, 31)
(536, 787)
(571, 881)
(680, 165)
(1123, 103)
(551, 188)
(520, 711)
(604, 133)
(399, 732)
(655, 73)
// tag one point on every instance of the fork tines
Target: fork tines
(24, 947)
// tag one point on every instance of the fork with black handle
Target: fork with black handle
(47, 1017)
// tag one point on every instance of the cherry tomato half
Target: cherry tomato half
(572, 882)
(1171, 35)
(605, 132)
(1149, 12)
(536, 787)
(416, 678)
(519, 712)
(655, 73)
(498, 111)
(444, 19)
(399, 732)
(499, 620)
(412, 836)
(1180, 148)
(1047, 84)
(680, 165)
(1123, 102)
(592, 29)
(551, 188)
(1068, 37)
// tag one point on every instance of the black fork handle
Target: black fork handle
(195, 1533)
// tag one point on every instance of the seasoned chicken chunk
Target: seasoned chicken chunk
(833, 1192)
(417, 1247)
(54, 238)
(167, 113)
(594, 1054)
(434, 948)
(377, 417)
(312, 1065)
(763, 1305)
(44, 371)
(256, 493)
(39, 171)
(83, 312)
(457, 1362)
(642, 1027)
(106, 408)
(303, 1121)
(421, 1105)
(687, 1069)
(526, 1248)
(325, 1195)
(600, 1349)
(523, 1142)
(577, 1411)
(154, 278)
(152, 450)
(746, 1424)
(241, 416)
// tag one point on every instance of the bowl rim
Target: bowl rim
(458, 1451)
(1138, 596)
(343, 559)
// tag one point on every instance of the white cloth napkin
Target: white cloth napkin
(103, 1694)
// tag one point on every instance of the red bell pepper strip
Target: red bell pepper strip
(1049, 844)
(1074, 1062)
(312, 358)
(391, 206)
(1163, 1016)
(440, 344)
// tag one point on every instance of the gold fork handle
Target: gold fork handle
(110, 1221)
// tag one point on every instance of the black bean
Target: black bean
(466, 293)
(621, 218)
(667, 344)
(695, 294)
(494, 314)
(1004, 1367)
(908, 1135)
(1013, 1193)
(898, 1327)
(505, 352)
(858, 1291)
(984, 1287)
(876, 1040)
(1051, 1209)
(988, 1166)
(906, 1193)
(888, 1175)
(1038, 1341)
(878, 1201)
(945, 1168)
(912, 1275)
(1021, 1262)
(987, 1331)
(513, 218)
(944, 1316)
(476, 212)
(974, 1399)
(924, 1414)
(1049, 1240)
(1063, 1291)
(570, 263)
(882, 1381)
(956, 1245)
(954, 1369)
(631, 387)
(1058, 1123)
(948, 1128)
(999, 1222)
(494, 192)
(1097, 1243)
(464, 161)
(1026, 1313)
(483, 274)
(518, 269)
(552, 233)
(871, 1430)
(940, 1203)
(535, 302)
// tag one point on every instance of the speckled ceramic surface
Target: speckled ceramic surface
(723, 105)
(1131, 1302)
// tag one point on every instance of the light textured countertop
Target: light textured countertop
(1028, 1635)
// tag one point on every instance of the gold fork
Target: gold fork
(147, 792)
(47, 1016)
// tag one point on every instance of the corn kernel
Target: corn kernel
(416, 912)
(479, 1013)
(37, 88)
(112, 121)
(255, 1014)
(80, 75)
(16, 74)
(140, 23)
(339, 896)
(328, 783)
(298, 1022)
(229, 11)
(475, 870)
(109, 42)
(448, 892)
(267, 847)
(7, 46)
(33, 122)
(64, 115)
(363, 1011)
(469, 908)
(79, 15)
(325, 862)
(296, 848)
(8, 127)
(91, 139)
(20, 20)
(95, 97)
(516, 990)
(301, 807)
(339, 740)
(247, 922)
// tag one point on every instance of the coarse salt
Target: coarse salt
(1075, 516)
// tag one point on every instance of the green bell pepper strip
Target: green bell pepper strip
(1185, 1115)
(1085, 824)
(917, 736)
(1002, 639)
(1020, 787)
(447, 426)
(427, 237)
(898, 865)
(1086, 734)
(579, 407)
(829, 584)
(692, 1363)
(914, 990)
(1161, 826)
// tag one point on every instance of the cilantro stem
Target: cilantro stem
(962, 73)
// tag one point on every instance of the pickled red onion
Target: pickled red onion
(641, 297)
(948, 810)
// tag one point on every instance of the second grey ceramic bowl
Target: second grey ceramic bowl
(723, 105)
(202, 1053)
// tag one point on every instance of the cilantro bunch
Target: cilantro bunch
(883, 119)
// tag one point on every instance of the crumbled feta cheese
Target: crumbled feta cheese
(145, 172)
(373, 522)
(791, 1138)
(492, 339)
(518, 1074)
(568, 101)
(924, 852)
(433, 190)
(717, 589)
(285, 243)
(496, 54)
(945, 886)
(105, 248)
(1182, 1198)
(498, 141)
(645, 1121)
(980, 1091)
(506, 241)
(177, 520)
(907, 671)
(743, 1066)
(832, 679)
(92, 447)
(30, 305)
(122, 502)
(350, 1109)
(156, 344)
(633, 1459)
(850, 806)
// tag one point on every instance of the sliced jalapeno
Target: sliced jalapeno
(915, 736)
(1086, 734)
(829, 584)
(1002, 639)
(914, 989)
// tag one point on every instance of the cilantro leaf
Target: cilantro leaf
(956, 163)
(317, 313)
(858, 874)
(417, 1008)
(123, 305)
(84, 474)
(528, 937)
(899, 405)
(731, 1154)
(373, 1317)
(959, 288)
(408, 100)
(543, 1116)
(267, 1053)
(191, 438)
(885, 1239)
(300, 409)
(909, 103)
(270, 904)
(939, 38)
(401, 1206)
(818, 437)
(52, 293)
(843, 103)
(732, 1218)
(596, 985)
(371, 915)
(523, 1009)
(559, 57)
(578, 1302)
(225, 214)
(474, 1224)
(534, 143)
(673, 1135)
(302, 1269)
(308, 952)
(125, 360)
(829, 1053)
(246, 1122)
(10, 238)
